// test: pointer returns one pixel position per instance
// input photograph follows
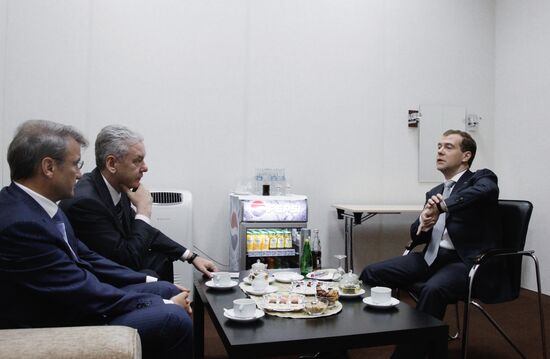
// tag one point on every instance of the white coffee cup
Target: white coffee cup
(259, 284)
(244, 308)
(221, 279)
(380, 295)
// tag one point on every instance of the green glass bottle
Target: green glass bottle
(306, 262)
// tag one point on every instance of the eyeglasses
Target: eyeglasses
(77, 164)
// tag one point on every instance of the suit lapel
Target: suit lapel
(463, 181)
(40, 214)
(106, 198)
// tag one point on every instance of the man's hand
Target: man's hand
(428, 217)
(205, 266)
(182, 300)
(141, 199)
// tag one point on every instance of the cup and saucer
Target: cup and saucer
(380, 297)
(244, 310)
(221, 280)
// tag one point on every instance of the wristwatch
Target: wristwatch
(192, 258)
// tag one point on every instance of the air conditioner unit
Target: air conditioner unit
(172, 214)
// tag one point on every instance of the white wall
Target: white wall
(522, 126)
(219, 88)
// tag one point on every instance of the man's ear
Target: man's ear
(47, 166)
(110, 164)
(466, 156)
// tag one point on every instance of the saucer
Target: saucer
(270, 280)
(392, 303)
(210, 284)
(287, 277)
(267, 290)
(349, 295)
(230, 314)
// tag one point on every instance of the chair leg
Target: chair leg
(457, 334)
(541, 315)
(467, 302)
(498, 327)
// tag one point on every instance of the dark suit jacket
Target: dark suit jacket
(95, 221)
(472, 221)
(44, 285)
(472, 215)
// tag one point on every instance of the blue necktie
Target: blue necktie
(439, 228)
(61, 228)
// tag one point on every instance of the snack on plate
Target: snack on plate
(330, 293)
(350, 288)
(316, 307)
(283, 301)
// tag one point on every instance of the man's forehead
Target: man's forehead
(452, 139)
(137, 149)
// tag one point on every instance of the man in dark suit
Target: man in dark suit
(102, 217)
(456, 228)
(49, 278)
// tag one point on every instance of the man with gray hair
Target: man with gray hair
(102, 217)
(49, 278)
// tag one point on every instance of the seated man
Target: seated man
(459, 221)
(49, 278)
(102, 217)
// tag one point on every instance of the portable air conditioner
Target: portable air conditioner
(172, 215)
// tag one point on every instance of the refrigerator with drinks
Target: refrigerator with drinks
(266, 228)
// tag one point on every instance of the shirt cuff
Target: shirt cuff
(168, 301)
(186, 255)
(144, 218)
(149, 279)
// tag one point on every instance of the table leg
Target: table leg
(347, 229)
(198, 325)
(441, 345)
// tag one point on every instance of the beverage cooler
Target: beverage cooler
(266, 228)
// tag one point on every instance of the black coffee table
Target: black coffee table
(356, 326)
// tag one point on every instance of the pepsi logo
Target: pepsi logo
(257, 208)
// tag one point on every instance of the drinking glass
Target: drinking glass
(340, 270)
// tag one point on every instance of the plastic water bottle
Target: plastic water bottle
(259, 181)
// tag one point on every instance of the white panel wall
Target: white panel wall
(219, 88)
(46, 68)
(521, 134)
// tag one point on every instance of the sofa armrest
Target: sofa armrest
(96, 342)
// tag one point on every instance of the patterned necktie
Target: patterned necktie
(439, 228)
(119, 212)
(61, 228)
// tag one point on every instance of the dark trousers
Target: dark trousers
(165, 330)
(445, 281)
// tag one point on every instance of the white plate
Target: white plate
(267, 290)
(287, 277)
(211, 284)
(247, 280)
(322, 274)
(368, 301)
(230, 314)
(348, 295)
